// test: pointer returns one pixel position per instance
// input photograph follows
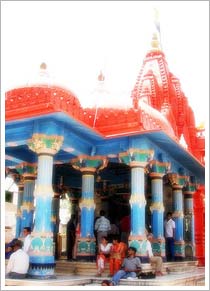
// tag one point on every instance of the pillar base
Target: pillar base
(158, 247)
(86, 249)
(189, 251)
(138, 242)
(41, 270)
(179, 249)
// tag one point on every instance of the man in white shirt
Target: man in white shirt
(27, 239)
(156, 260)
(169, 226)
(18, 263)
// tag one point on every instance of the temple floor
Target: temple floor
(179, 278)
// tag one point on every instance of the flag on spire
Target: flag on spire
(156, 19)
(157, 23)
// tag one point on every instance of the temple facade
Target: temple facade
(149, 158)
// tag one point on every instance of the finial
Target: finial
(155, 42)
(101, 77)
(43, 66)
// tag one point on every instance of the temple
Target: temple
(147, 159)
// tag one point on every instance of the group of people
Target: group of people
(16, 252)
(122, 266)
(114, 251)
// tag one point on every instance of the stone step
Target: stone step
(90, 269)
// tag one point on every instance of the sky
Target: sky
(77, 39)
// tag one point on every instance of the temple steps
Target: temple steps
(89, 268)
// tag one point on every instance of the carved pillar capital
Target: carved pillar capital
(89, 164)
(27, 171)
(136, 157)
(177, 181)
(158, 169)
(45, 144)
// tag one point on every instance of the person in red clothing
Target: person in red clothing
(117, 254)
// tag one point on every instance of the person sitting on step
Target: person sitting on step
(154, 260)
(117, 254)
(131, 266)
(18, 263)
(103, 254)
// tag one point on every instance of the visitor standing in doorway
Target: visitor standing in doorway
(70, 237)
(169, 227)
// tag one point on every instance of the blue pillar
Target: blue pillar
(19, 204)
(88, 166)
(87, 205)
(157, 207)
(189, 230)
(42, 261)
(137, 159)
(177, 185)
(158, 170)
(137, 202)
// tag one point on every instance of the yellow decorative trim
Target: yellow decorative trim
(41, 234)
(156, 175)
(138, 164)
(178, 214)
(53, 218)
(157, 206)
(87, 203)
(18, 214)
(137, 199)
(27, 206)
(27, 175)
(86, 239)
(87, 169)
(179, 242)
(141, 151)
(137, 237)
(45, 190)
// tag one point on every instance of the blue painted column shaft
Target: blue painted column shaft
(19, 204)
(158, 170)
(188, 207)
(41, 255)
(27, 207)
(157, 210)
(189, 216)
(179, 245)
(157, 207)
(137, 159)
(86, 242)
(87, 205)
(178, 182)
(42, 261)
(137, 202)
(178, 213)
